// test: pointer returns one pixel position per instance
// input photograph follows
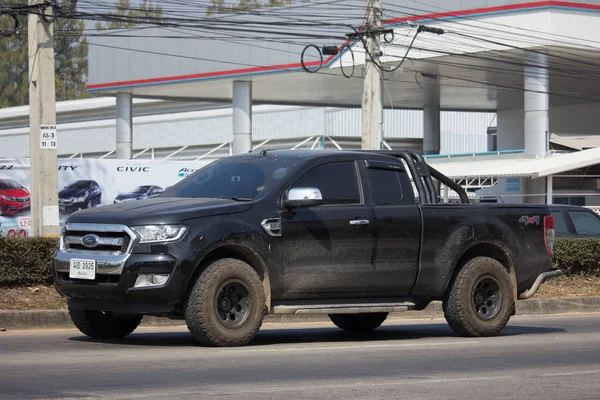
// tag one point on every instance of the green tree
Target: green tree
(70, 62)
(125, 16)
(13, 66)
(219, 7)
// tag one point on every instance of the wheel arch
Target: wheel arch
(240, 252)
(492, 250)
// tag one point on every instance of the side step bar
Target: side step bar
(357, 308)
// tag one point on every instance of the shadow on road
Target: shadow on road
(266, 337)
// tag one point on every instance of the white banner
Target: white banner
(85, 183)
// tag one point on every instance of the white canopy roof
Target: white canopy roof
(512, 164)
(575, 141)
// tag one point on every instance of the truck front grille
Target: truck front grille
(97, 238)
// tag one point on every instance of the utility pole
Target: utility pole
(372, 107)
(42, 120)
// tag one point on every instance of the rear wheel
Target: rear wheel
(480, 301)
(104, 325)
(358, 322)
(226, 305)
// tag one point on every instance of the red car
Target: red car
(13, 197)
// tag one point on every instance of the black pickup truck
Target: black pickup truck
(355, 235)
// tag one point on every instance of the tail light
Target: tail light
(549, 233)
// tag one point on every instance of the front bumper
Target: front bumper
(13, 207)
(113, 289)
(70, 207)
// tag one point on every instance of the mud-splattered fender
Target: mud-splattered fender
(227, 236)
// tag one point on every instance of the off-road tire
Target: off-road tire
(358, 322)
(101, 325)
(464, 310)
(202, 312)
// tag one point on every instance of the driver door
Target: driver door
(329, 249)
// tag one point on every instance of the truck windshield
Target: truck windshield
(239, 178)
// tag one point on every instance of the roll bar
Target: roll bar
(422, 174)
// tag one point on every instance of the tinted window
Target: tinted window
(586, 223)
(239, 177)
(79, 185)
(9, 184)
(337, 182)
(141, 189)
(389, 187)
(560, 225)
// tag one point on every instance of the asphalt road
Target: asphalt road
(535, 358)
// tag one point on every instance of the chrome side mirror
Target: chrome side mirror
(303, 197)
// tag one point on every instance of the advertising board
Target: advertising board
(85, 183)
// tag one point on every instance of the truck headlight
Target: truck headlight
(159, 233)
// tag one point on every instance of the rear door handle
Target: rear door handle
(359, 222)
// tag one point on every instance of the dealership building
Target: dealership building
(506, 101)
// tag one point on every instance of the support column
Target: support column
(536, 122)
(431, 116)
(242, 117)
(537, 102)
(549, 195)
(431, 129)
(510, 129)
(124, 126)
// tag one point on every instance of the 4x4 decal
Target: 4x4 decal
(530, 220)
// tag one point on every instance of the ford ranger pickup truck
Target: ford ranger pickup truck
(351, 234)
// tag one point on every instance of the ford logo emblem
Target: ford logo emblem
(90, 240)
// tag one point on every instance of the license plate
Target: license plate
(83, 269)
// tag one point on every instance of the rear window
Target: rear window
(389, 187)
(586, 223)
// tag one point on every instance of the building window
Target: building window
(572, 201)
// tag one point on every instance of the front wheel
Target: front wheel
(226, 305)
(104, 325)
(480, 301)
(358, 322)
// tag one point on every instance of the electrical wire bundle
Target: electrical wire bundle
(282, 29)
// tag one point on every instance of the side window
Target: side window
(390, 187)
(337, 182)
(586, 223)
(560, 225)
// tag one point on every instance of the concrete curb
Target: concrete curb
(52, 319)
